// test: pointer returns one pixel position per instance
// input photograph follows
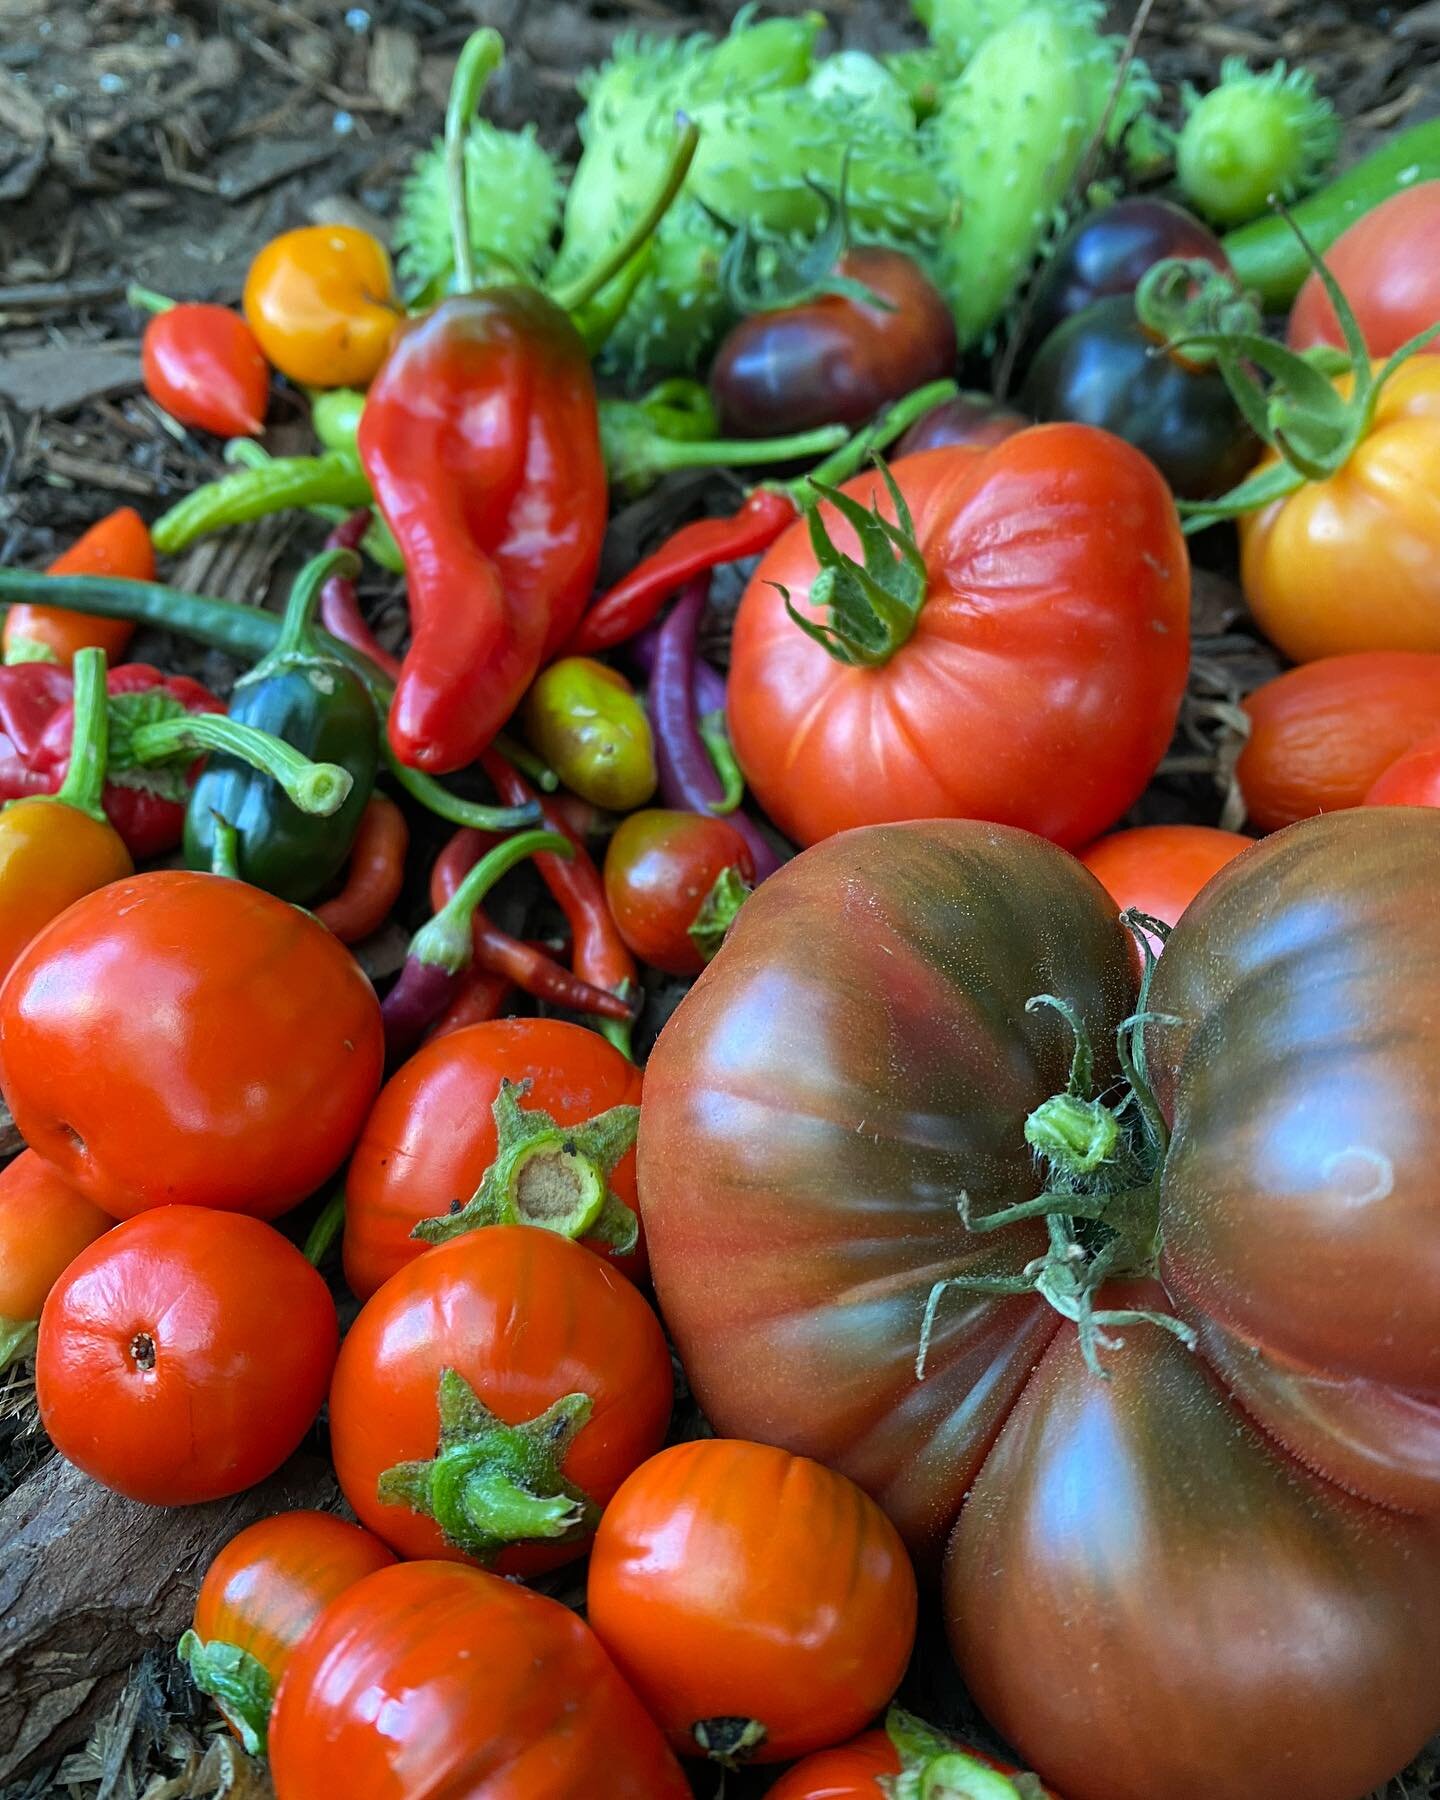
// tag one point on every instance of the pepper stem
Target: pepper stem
(238, 1683)
(490, 1484)
(143, 299)
(554, 1176)
(481, 54)
(715, 736)
(446, 941)
(297, 638)
(224, 848)
(318, 788)
(84, 783)
(437, 798)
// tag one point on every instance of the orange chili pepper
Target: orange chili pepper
(118, 544)
(374, 876)
(321, 302)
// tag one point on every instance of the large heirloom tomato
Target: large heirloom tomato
(1214, 1575)
(1027, 665)
(432, 1682)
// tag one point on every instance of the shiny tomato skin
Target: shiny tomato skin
(835, 359)
(433, 1682)
(430, 1136)
(525, 1317)
(1145, 1519)
(1411, 780)
(848, 1772)
(730, 1580)
(1353, 562)
(1159, 869)
(182, 1039)
(1323, 734)
(1386, 267)
(976, 419)
(1040, 688)
(659, 868)
(184, 1355)
(44, 1225)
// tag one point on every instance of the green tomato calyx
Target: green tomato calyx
(717, 912)
(238, 1683)
(933, 1767)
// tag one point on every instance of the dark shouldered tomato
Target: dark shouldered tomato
(432, 1682)
(849, 1087)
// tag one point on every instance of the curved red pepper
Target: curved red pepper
(481, 440)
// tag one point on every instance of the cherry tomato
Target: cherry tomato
(975, 419)
(1411, 780)
(204, 366)
(510, 1324)
(1353, 562)
(584, 719)
(1386, 267)
(1108, 252)
(660, 869)
(431, 1135)
(260, 1596)
(184, 1039)
(44, 1225)
(835, 359)
(1101, 367)
(184, 1355)
(1323, 734)
(1038, 689)
(321, 302)
(1159, 869)
(759, 1604)
(437, 1681)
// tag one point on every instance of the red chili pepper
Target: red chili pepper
(119, 545)
(340, 612)
(374, 875)
(204, 365)
(482, 997)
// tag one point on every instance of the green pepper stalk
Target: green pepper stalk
(84, 783)
(668, 430)
(318, 788)
(310, 699)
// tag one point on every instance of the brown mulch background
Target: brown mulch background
(162, 142)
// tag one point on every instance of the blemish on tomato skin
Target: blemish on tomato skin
(1348, 1170)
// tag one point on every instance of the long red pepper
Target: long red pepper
(482, 997)
(340, 612)
(374, 875)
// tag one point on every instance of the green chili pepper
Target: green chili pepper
(305, 696)
(335, 479)
(1268, 257)
(378, 543)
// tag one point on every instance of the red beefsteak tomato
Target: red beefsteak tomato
(1022, 661)
(1214, 1575)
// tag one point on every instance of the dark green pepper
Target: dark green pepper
(304, 695)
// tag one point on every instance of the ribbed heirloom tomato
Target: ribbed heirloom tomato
(1214, 1575)
(432, 1682)
(186, 1039)
(1022, 660)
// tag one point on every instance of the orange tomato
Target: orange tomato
(51, 855)
(760, 1604)
(1159, 869)
(1322, 734)
(1353, 562)
(119, 544)
(44, 1225)
(321, 302)
(1411, 780)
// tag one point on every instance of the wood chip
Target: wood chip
(20, 111)
(59, 379)
(91, 471)
(266, 161)
(393, 74)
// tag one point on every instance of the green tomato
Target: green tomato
(588, 724)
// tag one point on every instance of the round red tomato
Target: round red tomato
(260, 1596)
(44, 1225)
(1039, 680)
(660, 870)
(432, 1682)
(1159, 869)
(511, 1327)
(933, 1763)
(760, 1605)
(184, 1355)
(432, 1136)
(1411, 780)
(857, 1082)
(1387, 269)
(180, 1039)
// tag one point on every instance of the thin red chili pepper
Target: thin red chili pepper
(340, 604)
(374, 876)
(481, 998)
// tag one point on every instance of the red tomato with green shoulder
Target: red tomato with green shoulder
(44, 1225)
(1387, 269)
(260, 1596)
(435, 1681)
(674, 882)
(759, 1604)
(430, 1163)
(1017, 653)
(184, 1355)
(492, 1396)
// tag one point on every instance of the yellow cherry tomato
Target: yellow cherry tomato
(587, 723)
(321, 301)
(1353, 562)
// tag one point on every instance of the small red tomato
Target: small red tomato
(761, 1605)
(978, 420)
(1387, 269)
(661, 870)
(431, 1682)
(493, 1395)
(933, 1764)
(432, 1137)
(44, 1225)
(260, 1596)
(1412, 780)
(204, 365)
(184, 1355)
(1159, 869)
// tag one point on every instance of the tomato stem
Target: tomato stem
(237, 1682)
(718, 911)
